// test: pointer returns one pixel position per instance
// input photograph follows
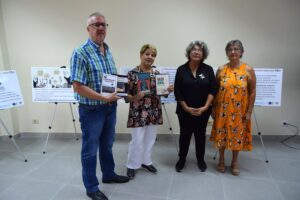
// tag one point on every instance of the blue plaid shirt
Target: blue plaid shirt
(87, 67)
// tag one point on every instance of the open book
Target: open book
(114, 83)
(122, 85)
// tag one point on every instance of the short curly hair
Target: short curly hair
(199, 43)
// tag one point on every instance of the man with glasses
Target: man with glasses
(97, 112)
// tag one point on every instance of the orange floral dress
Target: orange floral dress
(230, 106)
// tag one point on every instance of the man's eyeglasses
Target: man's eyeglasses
(98, 25)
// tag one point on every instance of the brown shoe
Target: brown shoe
(235, 171)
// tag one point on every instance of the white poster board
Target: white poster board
(10, 93)
(51, 84)
(268, 86)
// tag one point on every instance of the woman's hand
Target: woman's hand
(136, 97)
(139, 96)
(189, 110)
(170, 88)
(199, 111)
(247, 117)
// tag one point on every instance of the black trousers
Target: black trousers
(191, 124)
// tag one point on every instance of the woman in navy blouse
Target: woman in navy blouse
(195, 88)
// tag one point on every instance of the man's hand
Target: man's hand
(112, 97)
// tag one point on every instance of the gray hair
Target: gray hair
(95, 14)
(237, 43)
(201, 44)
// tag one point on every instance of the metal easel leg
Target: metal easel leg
(170, 127)
(50, 127)
(260, 136)
(13, 140)
(73, 118)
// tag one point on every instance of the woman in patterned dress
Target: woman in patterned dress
(145, 113)
(233, 106)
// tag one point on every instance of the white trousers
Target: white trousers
(140, 146)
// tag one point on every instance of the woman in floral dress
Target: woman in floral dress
(233, 106)
(145, 113)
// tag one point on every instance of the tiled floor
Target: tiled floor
(57, 174)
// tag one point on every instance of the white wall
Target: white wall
(44, 33)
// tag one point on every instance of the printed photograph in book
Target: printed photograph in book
(143, 83)
(122, 85)
(109, 84)
(162, 84)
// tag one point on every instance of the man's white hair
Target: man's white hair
(95, 14)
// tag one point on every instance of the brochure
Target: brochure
(162, 84)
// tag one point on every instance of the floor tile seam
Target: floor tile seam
(8, 175)
(12, 152)
(42, 180)
(78, 156)
(112, 192)
(283, 159)
(30, 153)
(26, 154)
(13, 176)
(58, 191)
(121, 164)
(207, 174)
(278, 146)
(29, 171)
(49, 153)
(139, 195)
(66, 147)
(36, 167)
(67, 156)
(223, 187)
(170, 184)
(274, 181)
(77, 184)
(5, 150)
(12, 185)
(68, 180)
(255, 178)
(76, 172)
(285, 181)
